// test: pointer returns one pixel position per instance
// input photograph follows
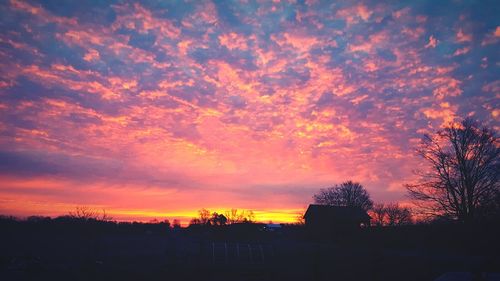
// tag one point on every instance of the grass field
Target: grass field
(41, 251)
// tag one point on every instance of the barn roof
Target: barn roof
(337, 212)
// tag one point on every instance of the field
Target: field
(108, 251)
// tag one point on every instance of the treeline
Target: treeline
(78, 226)
(207, 218)
(84, 217)
(85, 220)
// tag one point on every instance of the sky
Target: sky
(156, 109)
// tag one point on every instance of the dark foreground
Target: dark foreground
(109, 251)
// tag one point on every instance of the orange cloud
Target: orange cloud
(233, 41)
(374, 41)
(462, 37)
(491, 38)
(445, 112)
(353, 14)
(91, 55)
(139, 18)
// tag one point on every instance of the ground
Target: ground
(89, 252)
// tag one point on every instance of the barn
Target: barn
(328, 219)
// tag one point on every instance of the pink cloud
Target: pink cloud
(462, 51)
(462, 37)
(432, 42)
(233, 41)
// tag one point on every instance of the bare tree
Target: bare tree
(464, 169)
(249, 216)
(349, 193)
(234, 216)
(378, 213)
(204, 216)
(105, 217)
(239, 216)
(397, 215)
(299, 220)
(86, 213)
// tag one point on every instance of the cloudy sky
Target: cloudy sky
(155, 109)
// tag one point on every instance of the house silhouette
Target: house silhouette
(333, 219)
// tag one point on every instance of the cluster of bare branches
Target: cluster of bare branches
(349, 194)
(239, 216)
(86, 213)
(462, 182)
(391, 214)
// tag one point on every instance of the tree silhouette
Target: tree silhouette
(195, 221)
(237, 216)
(378, 214)
(204, 216)
(86, 213)
(390, 214)
(176, 224)
(397, 215)
(349, 194)
(462, 181)
(218, 219)
(233, 216)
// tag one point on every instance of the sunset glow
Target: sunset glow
(154, 110)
